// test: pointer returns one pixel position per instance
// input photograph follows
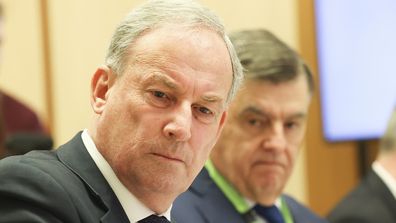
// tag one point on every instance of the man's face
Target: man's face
(158, 122)
(260, 141)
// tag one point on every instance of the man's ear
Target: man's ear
(101, 83)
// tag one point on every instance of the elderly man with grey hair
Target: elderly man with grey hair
(374, 199)
(159, 103)
(244, 179)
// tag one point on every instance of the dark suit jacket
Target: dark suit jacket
(63, 185)
(204, 202)
(370, 201)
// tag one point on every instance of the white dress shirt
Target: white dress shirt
(134, 209)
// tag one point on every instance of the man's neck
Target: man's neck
(157, 202)
(388, 162)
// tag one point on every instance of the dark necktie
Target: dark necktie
(154, 219)
(271, 213)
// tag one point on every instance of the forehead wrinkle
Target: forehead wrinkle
(157, 65)
(150, 59)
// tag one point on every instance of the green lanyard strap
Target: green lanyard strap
(229, 191)
(285, 211)
(235, 198)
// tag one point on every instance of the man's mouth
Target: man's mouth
(268, 163)
(168, 157)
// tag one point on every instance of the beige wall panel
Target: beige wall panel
(80, 32)
(21, 63)
(276, 16)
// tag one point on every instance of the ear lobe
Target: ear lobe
(101, 83)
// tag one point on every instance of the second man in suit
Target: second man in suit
(255, 155)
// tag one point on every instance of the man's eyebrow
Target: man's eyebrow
(255, 110)
(300, 115)
(157, 77)
(211, 98)
(155, 62)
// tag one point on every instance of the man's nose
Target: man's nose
(179, 126)
(275, 138)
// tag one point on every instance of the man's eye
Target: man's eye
(204, 114)
(291, 125)
(159, 94)
(205, 110)
(158, 98)
(255, 122)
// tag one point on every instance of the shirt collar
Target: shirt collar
(386, 177)
(251, 204)
(134, 209)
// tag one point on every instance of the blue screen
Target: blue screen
(356, 43)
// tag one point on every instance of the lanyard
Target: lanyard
(236, 199)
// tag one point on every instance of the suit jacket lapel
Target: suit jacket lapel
(213, 204)
(200, 186)
(378, 187)
(75, 156)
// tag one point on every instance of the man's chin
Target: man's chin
(172, 183)
(267, 190)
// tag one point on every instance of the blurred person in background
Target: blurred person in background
(374, 199)
(251, 163)
(20, 127)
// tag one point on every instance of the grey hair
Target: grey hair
(388, 140)
(264, 56)
(155, 13)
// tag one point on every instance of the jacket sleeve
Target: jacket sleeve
(28, 193)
